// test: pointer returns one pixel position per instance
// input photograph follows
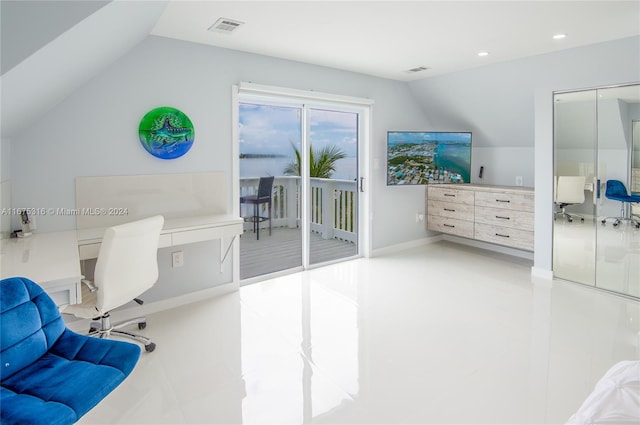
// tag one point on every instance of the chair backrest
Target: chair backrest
(615, 189)
(127, 262)
(30, 324)
(265, 187)
(570, 190)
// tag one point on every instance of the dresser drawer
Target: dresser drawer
(509, 201)
(451, 226)
(445, 194)
(515, 238)
(450, 209)
(522, 220)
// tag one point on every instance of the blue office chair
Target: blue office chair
(51, 375)
(617, 191)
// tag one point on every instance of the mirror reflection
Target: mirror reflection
(596, 177)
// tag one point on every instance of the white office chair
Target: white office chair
(569, 191)
(127, 266)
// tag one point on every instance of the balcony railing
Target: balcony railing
(334, 212)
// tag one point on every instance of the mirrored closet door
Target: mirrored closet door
(596, 234)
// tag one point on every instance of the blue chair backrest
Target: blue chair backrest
(30, 324)
(615, 188)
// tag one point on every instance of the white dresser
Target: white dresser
(496, 214)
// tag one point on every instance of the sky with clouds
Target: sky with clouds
(266, 129)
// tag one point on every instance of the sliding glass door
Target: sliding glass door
(333, 178)
(311, 216)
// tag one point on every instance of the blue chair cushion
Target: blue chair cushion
(51, 375)
(617, 191)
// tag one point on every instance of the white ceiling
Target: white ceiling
(386, 38)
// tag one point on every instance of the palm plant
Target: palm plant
(322, 163)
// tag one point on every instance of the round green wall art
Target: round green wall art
(166, 132)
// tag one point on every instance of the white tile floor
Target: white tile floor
(615, 263)
(438, 334)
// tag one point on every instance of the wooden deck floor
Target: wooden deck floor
(283, 250)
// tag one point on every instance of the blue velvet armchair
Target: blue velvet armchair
(51, 375)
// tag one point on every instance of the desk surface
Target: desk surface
(41, 257)
(53, 259)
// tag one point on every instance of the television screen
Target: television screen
(428, 157)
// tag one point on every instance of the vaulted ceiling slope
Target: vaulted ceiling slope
(36, 23)
(77, 52)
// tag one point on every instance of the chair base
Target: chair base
(563, 213)
(256, 220)
(104, 329)
(618, 220)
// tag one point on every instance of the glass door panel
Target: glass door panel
(618, 239)
(269, 137)
(333, 184)
(574, 229)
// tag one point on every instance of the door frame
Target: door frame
(307, 100)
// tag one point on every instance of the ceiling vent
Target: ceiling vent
(418, 69)
(225, 25)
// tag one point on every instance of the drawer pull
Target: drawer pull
(502, 236)
(449, 194)
(449, 225)
(503, 218)
(503, 200)
(449, 209)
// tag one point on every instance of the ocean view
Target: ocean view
(346, 168)
(455, 158)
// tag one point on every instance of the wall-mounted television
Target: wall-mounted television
(428, 157)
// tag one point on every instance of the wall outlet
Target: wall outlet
(177, 259)
(419, 217)
(519, 181)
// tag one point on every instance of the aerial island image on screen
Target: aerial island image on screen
(428, 157)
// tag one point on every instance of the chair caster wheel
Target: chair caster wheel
(142, 325)
(582, 220)
(570, 220)
(93, 330)
(150, 347)
(604, 222)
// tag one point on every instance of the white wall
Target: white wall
(95, 132)
(5, 187)
(501, 165)
(500, 105)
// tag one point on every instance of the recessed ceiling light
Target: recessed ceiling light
(483, 53)
(559, 36)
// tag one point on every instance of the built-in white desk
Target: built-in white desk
(176, 231)
(49, 259)
(53, 259)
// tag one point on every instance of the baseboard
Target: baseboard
(405, 245)
(539, 275)
(527, 255)
(157, 306)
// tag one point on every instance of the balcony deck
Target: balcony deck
(282, 250)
